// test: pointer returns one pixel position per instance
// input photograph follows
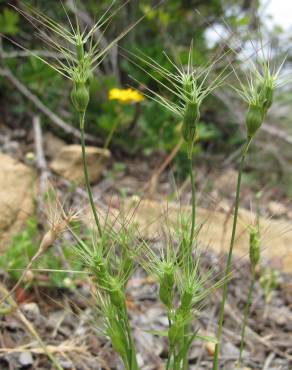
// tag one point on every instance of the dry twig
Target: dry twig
(43, 108)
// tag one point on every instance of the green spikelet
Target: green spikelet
(254, 119)
(116, 293)
(116, 334)
(166, 286)
(127, 268)
(80, 51)
(190, 120)
(100, 272)
(80, 97)
(254, 247)
(176, 331)
(266, 94)
(186, 299)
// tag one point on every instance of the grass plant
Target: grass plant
(258, 93)
(111, 256)
(189, 87)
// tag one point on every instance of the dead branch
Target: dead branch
(43, 108)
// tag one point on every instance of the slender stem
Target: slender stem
(192, 176)
(131, 350)
(192, 234)
(86, 176)
(169, 358)
(229, 258)
(246, 313)
(170, 351)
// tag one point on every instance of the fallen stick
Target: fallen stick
(44, 109)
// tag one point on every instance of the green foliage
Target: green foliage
(38, 76)
(21, 250)
(9, 22)
(24, 246)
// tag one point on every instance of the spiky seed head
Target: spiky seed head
(254, 119)
(48, 240)
(189, 85)
(258, 92)
(254, 247)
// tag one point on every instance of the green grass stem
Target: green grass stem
(246, 314)
(192, 234)
(229, 258)
(86, 175)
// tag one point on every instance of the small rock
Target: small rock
(195, 352)
(68, 163)
(277, 209)
(230, 350)
(281, 316)
(210, 346)
(31, 311)
(53, 145)
(66, 364)
(12, 148)
(25, 359)
(17, 185)
(140, 360)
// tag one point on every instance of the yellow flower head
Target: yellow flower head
(125, 96)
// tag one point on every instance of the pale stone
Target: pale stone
(17, 189)
(68, 163)
(277, 209)
(52, 144)
(226, 183)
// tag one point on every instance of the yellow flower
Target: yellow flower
(125, 96)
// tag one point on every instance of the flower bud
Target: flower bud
(254, 247)
(190, 120)
(80, 97)
(254, 119)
